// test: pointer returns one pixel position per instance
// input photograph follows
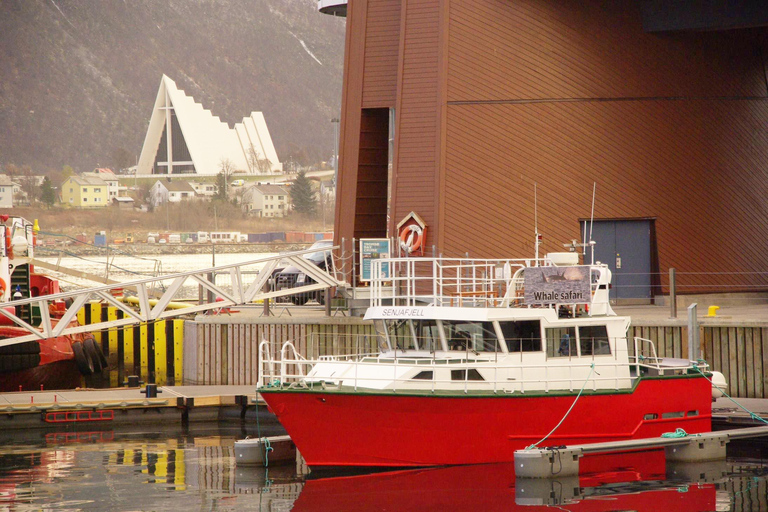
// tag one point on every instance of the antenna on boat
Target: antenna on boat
(592, 220)
(536, 223)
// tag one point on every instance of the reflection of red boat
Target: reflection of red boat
(490, 487)
(51, 363)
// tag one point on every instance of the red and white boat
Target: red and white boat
(478, 358)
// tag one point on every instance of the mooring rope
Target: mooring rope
(536, 445)
(752, 415)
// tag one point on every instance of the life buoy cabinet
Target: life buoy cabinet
(412, 238)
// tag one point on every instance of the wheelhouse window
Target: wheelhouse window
(475, 336)
(593, 340)
(561, 342)
(409, 334)
(522, 336)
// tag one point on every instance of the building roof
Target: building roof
(83, 180)
(208, 140)
(123, 199)
(5, 180)
(270, 189)
(177, 186)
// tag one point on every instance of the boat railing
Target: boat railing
(451, 282)
(370, 371)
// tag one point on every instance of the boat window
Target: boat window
(425, 375)
(593, 340)
(475, 336)
(463, 375)
(561, 342)
(427, 334)
(414, 334)
(522, 336)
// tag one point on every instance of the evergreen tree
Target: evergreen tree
(47, 194)
(302, 196)
(221, 187)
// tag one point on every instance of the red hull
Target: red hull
(55, 370)
(398, 430)
(57, 375)
(488, 488)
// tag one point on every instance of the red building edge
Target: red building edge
(489, 118)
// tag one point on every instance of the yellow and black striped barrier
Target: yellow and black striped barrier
(139, 349)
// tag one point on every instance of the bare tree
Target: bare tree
(262, 165)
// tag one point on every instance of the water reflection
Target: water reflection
(155, 471)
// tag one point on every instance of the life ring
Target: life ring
(2, 288)
(412, 238)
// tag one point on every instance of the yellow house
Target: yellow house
(85, 192)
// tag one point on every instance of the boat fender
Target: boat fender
(412, 238)
(719, 385)
(82, 359)
(97, 356)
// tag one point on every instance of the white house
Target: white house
(6, 191)
(185, 138)
(174, 192)
(265, 201)
(204, 190)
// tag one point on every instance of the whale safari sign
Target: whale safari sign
(557, 285)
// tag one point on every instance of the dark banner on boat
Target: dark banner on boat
(557, 285)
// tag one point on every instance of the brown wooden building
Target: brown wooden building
(473, 102)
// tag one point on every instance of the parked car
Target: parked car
(292, 277)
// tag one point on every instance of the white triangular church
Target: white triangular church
(185, 138)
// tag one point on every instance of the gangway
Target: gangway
(242, 293)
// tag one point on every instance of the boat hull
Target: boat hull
(337, 428)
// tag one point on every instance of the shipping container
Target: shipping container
(100, 240)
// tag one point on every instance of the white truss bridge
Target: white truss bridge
(246, 288)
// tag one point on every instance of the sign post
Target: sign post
(373, 249)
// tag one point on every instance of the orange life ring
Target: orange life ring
(2, 288)
(412, 238)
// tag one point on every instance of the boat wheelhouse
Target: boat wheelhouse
(477, 358)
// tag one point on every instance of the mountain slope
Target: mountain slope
(78, 79)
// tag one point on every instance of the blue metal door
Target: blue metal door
(625, 246)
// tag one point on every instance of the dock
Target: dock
(127, 406)
(564, 461)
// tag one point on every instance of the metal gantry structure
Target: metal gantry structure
(242, 293)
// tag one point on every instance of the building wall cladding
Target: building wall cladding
(493, 96)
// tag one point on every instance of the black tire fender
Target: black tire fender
(97, 356)
(82, 359)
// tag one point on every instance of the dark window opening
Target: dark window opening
(593, 340)
(670, 415)
(462, 375)
(522, 336)
(651, 416)
(474, 336)
(425, 375)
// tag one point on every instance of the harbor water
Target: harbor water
(182, 469)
